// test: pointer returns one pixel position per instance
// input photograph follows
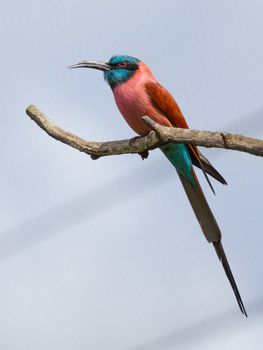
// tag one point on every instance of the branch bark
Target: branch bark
(159, 136)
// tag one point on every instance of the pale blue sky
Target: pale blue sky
(107, 254)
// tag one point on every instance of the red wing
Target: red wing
(166, 104)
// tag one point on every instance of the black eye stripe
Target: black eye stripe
(129, 66)
(132, 66)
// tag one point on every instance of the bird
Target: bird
(137, 93)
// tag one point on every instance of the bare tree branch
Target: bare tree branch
(160, 136)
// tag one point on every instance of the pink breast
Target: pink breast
(133, 103)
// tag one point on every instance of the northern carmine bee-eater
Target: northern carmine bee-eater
(137, 93)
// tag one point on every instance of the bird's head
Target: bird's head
(117, 70)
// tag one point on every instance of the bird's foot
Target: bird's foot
(94, 157)
(133, 140)
(143, 154)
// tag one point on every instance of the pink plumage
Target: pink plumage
(134, 101)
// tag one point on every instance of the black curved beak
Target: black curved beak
(92, 64)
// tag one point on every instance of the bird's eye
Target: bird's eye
(122, 64)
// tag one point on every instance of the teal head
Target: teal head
(117, 70)
(122, 69)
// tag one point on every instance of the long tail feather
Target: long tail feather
(211, 170)
(201, 209)
(210, 229)
(222, 257)
(200, 165)
(199, 160)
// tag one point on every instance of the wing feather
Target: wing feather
(166, 104)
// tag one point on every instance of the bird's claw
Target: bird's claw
(132, 140)
(94, 157)
(143, 154)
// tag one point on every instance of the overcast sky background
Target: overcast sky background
(107, 254)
